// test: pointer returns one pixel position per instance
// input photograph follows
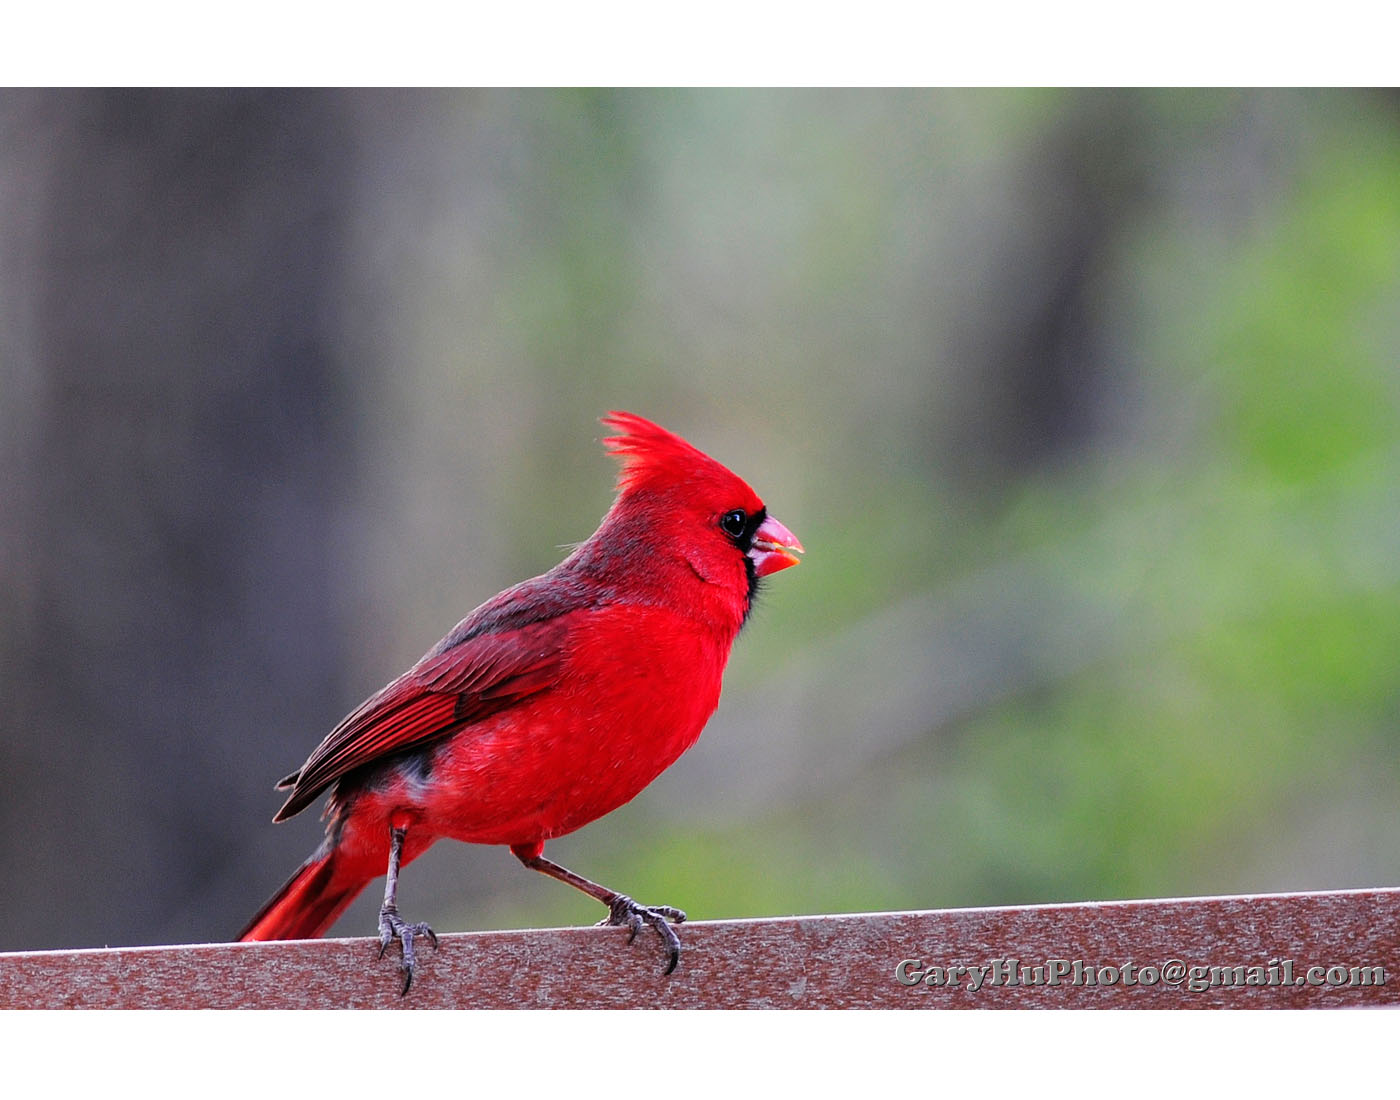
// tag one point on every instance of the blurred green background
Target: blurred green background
(1083, 403)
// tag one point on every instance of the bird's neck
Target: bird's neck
(655, 571)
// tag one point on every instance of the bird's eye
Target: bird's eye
(733, 523)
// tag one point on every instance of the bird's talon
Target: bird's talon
(624, 912)
(393, 927)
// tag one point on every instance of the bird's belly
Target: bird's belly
(541, 771)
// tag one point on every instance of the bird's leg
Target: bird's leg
(391, 925)
(622, 910)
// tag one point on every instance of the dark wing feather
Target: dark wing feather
(467, 677)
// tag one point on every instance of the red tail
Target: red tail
(307, 904)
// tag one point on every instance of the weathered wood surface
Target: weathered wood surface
(799, 962)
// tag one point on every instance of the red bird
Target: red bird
(548, 706)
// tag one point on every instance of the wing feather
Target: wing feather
(447, 691)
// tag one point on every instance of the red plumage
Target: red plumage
(551, 704)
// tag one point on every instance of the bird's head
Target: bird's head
(684, 506)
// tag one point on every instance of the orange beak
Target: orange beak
(774, 547)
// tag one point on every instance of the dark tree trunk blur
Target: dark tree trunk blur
(1039, 376)
(167, 286)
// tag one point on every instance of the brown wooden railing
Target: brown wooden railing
(1322, 950)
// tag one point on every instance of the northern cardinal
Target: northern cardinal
(551, 704)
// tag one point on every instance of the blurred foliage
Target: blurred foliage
(1084, 404)
(1234, 729)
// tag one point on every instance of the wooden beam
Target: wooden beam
(1270, 951)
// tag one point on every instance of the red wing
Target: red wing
(440, 695)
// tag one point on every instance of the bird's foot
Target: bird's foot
(624, 912)
(393, 927)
